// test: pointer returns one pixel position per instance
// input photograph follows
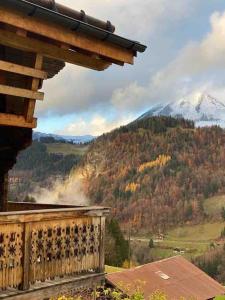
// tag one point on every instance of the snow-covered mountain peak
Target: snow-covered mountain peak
(202, 108)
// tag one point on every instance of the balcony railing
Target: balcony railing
(42, 245)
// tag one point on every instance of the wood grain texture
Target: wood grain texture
(66, 36)
(30, 105)
(13, 40)
(11, 255)
(22, 70)
(67, 243)
(25, 281)
(17, 121)
(54, 290)
(102, 246)
(18, 92)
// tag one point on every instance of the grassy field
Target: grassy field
(196, 233)
(67, 149)
(190, 241)
(213, 205)
(194, 240)
(110, 269)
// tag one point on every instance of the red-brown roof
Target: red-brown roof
(175, 276)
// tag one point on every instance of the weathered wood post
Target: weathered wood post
(3, 191)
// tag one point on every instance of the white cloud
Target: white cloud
(199, 57)
(133, 18)
(196, 67)
(77, 89)
(96, 126)
(130, 97)
(70, 91)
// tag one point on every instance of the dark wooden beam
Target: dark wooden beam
(64, 35)
(3, 191)
(17, 121)
(13, 40)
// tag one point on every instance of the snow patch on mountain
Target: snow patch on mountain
(203, 109)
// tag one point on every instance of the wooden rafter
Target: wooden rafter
(32, 45)
(61, 34)
(15, 120)
(22, 70)
(18, 92)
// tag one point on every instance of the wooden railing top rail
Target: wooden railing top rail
(22, 206)
(52, 214)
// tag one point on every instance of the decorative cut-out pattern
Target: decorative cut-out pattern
(66, 247)
(11, 254)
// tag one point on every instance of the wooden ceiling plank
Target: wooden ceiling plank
(59, 33)
(18, 92)
(22, 70)
(11, 39)
(18, 121)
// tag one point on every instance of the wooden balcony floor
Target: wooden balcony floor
(55, 288)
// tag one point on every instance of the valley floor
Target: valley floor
(189, 241)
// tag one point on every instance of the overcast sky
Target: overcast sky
(185, 55)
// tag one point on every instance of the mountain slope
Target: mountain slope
(156, 172)
(201, 108)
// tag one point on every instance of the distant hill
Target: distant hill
(203, 109)
(156, 172)
(44, 164)
(74, 139)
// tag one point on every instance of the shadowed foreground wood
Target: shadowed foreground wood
(54, 290)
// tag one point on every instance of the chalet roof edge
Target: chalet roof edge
(76, 25)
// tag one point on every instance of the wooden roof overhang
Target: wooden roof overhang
(35, 44)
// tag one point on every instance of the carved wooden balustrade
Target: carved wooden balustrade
(41, 245)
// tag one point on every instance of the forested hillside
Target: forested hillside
(156, 172)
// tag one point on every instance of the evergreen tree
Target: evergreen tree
(120, 250)
(151, 243)
(223, 213)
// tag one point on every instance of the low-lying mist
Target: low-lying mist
(65, 192)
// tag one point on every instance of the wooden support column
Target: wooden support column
(3, 176)
(2, 81)
(3, 191)
(102, 247)
(25, 285)
(30, 107)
